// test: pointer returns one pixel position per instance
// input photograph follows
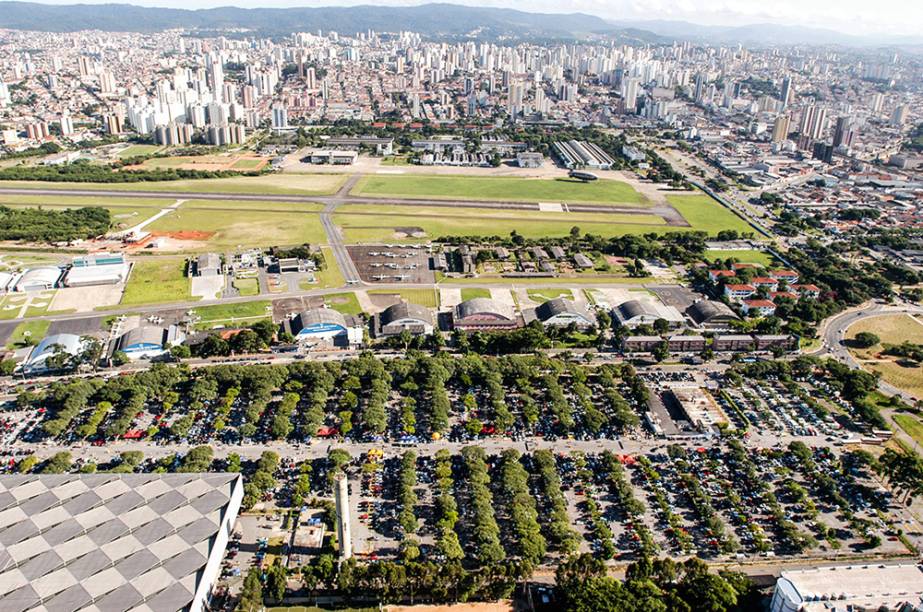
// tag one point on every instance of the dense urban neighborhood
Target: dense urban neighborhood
(441, 308)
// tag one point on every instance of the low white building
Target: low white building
(850, 587)
(38, 360)
(39, 279)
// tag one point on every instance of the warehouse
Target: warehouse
(561, 312)
(398, 317)
(326, 324)
(711, 314)
(57, 346)
(381, 146)
(331, 156)
(842, 588)
(208, 264)
(149, 341)
(8, 280)
(39, 279)
(582, 154)
(114, 541)
(485, 314)
(87, 272)
(645, 312)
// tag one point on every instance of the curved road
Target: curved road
(833, 333)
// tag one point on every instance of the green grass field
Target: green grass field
(469, 293)
(543, 295)
(13, 260)
(229, 315)
(247, 164)
(371, 223)
(34, 330)
(705, 214)
(422, 297)
(330, 277)
(243, 228)
(347, 303)
(156, 281)
(300, 184)
(911, 425)
(138, 150)
(246, 286)
(499, 188)
(749, 256)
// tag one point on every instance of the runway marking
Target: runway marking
(550, 207)
(390, 172)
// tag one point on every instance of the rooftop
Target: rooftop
(100, 541)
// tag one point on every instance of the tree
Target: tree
(661, 352)
(276, 579)
(180, 351)
(405, 338)
(409, 550)
(7, 366)
(59, 463)
(119, 358)
(865, 340)
(251, 595)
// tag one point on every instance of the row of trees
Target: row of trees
(85, 172)
(658, 585)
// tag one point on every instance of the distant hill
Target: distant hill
(764, 34)
(440, 21)
(431, 19)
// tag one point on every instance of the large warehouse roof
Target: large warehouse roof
(143, 335)
(561, 306)
(481, 306)
(69, 343)
(406, 310)
(108, 541)
(705, 311)
(646, 309)
(317, 316)
(46, 275)
(866, 587)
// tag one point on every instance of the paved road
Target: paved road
(335, 239)
(316, 449)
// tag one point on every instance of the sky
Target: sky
(863, 17)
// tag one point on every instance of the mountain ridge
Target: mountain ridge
(438, 20)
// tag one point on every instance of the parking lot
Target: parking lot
(392, 264)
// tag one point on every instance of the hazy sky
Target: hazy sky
(853, 16)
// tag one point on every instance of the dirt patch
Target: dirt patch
(184, 235)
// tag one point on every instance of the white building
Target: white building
(37, 361)
(39, 279)
(97, 269)
(850, 587)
